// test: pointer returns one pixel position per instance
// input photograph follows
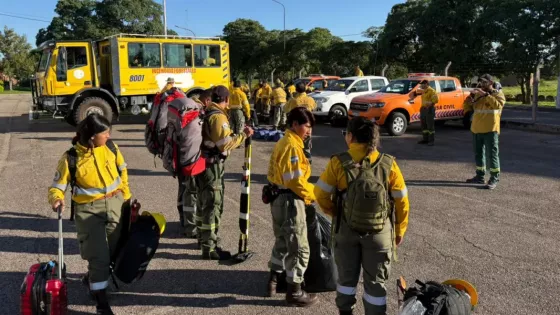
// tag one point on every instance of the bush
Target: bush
(550, 98)
(541, 98)
(1, 87)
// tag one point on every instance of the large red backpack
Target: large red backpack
(156, 128)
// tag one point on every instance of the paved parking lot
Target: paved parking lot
(506, 241)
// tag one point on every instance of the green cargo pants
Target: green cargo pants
(486, 147)
(210, 185)
(373, 253)
(99, 229)
(236, 120)
(186, 205)
(291, 248)
(427, 119)
(277, 117)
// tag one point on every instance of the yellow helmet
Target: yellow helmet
(160, 220)
(465, 286)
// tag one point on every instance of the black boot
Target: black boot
(103, 307)
(282, 284)
(272, 283)
(295, 296)
(431, 139)
(424, 139)
(216, 254)
(341, 312)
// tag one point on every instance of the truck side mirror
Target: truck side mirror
(61, 65)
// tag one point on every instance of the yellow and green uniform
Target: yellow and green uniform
(372, 251)
(100, 190)
(218, 140)
(239, 109)
(290, 170)
(278, 102)
(264, 97)
(428, 114)
(487, 111)
(302, 100)
(359, 73)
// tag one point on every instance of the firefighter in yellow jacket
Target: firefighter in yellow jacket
(288, 174)
(355, 247)
(264, 97)
(427, 112)
(239, 109)
(100, 189)
(486, 105)
(218, 141)
(278, 102)
(302, 100)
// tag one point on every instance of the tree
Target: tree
(91, 19)
(15, 52)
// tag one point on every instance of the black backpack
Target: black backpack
(439, 299)
(137, 250)
(72, 159)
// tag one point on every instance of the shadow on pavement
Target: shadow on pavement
(33, 222)
(138, 172)
(440, 183)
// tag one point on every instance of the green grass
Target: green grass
(546, 88)
(541, 104)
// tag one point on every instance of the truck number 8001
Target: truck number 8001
(136, 78)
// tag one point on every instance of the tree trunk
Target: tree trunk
(10, 83)
(527, 99)
(521, 82)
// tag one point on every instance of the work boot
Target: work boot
(216, 254)
(431, 140)
(424, 140)
(102, 307)
(272, 283)
(341, 312)
(295, 296)
(192, 236)
(492, 183)
(476, 180)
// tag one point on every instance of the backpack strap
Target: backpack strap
(72, 159)
(348, 165)
(111, 145)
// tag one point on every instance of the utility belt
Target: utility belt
(212, 157)
(271, 191)
(109, 195)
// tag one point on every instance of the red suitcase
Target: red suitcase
(44, 289)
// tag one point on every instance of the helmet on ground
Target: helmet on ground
(467, 287)
(159, 218)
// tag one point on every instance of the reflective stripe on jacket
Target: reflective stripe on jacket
(289, 168)
(300, 100)
(96, 175)
(487, 112)
(334, 178)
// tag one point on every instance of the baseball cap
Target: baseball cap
(486, 77)
(170, 80)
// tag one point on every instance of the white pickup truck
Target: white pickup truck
(334, 101)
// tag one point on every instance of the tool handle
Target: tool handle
(60, 242)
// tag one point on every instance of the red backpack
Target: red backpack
(156, 128)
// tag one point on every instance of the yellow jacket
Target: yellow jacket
(217, 134)
(359, 73)
(265, 92)
(245, 88)
(334, 178)
(487, 112)
(92, 183)
(238, 100)
(289, 168)
(300, 100)
(429, 96)
(278, 96)
(280, 83)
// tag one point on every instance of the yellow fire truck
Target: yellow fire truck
(124, 71)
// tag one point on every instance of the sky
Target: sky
(348, 18)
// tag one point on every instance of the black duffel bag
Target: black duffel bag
(321, 274)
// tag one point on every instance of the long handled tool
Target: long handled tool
(244, 208)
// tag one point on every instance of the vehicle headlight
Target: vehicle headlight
(376, 105)
(321, 99)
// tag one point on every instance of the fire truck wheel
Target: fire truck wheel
(92, 105)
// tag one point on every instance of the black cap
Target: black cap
(486, 77)
(219, 93)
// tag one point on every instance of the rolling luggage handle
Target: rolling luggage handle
(60, 243)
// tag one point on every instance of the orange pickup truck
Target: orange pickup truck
(393, 108)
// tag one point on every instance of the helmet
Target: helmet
(465, 286)
(159, 218)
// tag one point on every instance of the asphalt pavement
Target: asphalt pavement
(525, 115)
(506, 242)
